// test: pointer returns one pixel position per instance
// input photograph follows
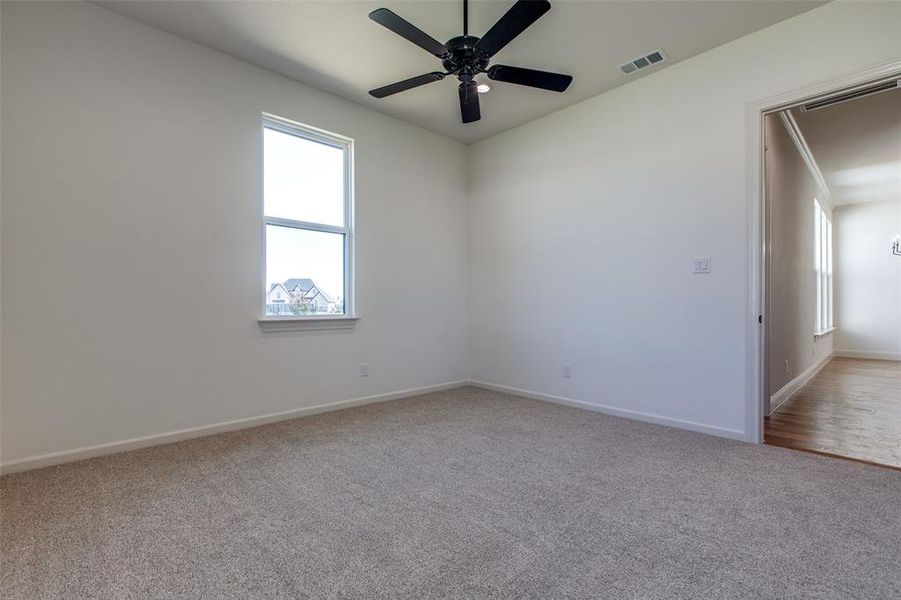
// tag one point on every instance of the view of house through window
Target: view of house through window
(822, 236)
(306, 215)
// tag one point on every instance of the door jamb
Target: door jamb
(754, 113)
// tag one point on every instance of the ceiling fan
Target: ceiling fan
(466, 56)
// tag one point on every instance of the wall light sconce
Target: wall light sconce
(896, 245)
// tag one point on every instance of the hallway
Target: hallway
(851, 409)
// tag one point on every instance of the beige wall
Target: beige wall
(791, 189)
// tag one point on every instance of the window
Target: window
(307, 222)
(822, 261)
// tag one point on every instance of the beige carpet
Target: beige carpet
(458, 494)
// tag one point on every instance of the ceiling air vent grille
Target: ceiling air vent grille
(657, 56)
(852, 95)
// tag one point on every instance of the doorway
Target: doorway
(830, 285)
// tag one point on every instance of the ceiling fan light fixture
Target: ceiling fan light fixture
(467, 56)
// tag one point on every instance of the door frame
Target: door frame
(756, 206)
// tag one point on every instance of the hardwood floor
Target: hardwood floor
(851, 409)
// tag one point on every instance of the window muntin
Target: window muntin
(307, 217)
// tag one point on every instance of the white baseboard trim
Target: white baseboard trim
(732, 434)
(65, 456)
(788, 390)
(867, 354)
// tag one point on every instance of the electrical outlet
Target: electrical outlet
(567, 371)
(786, 365)
(364, 370)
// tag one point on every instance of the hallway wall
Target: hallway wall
(867, 280)
(791, 189)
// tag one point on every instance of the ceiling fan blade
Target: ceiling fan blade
(406, 30)
(406, 84)
(516, 20)
(469, 102)
(545, 80)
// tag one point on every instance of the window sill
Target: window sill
(279, 324)
(818, 334)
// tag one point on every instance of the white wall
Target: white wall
(583, 225)
(791, 189)
(867, 280)
(131, 239)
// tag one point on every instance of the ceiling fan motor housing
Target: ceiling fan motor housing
(463, 59)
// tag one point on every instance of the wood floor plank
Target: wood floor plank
(851, 409)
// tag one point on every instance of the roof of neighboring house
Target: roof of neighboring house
(322, 293)
(303, 283)
(307, 287)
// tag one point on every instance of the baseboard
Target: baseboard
(867, 354)
(789, 389)
(65, 456)
(732, 434)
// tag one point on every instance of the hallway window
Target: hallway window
(822, 260)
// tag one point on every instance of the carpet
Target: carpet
(464, 493)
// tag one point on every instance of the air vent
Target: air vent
(852, 95)
(642, 62)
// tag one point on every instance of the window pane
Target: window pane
(302, 180)
(823, 238)
(829, 297)
(304, 272)
(817, 266)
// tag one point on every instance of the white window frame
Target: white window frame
(823, 270)
(346, 145)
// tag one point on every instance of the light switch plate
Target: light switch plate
(701, 265)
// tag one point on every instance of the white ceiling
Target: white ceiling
(333, 46)
(857, 146)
